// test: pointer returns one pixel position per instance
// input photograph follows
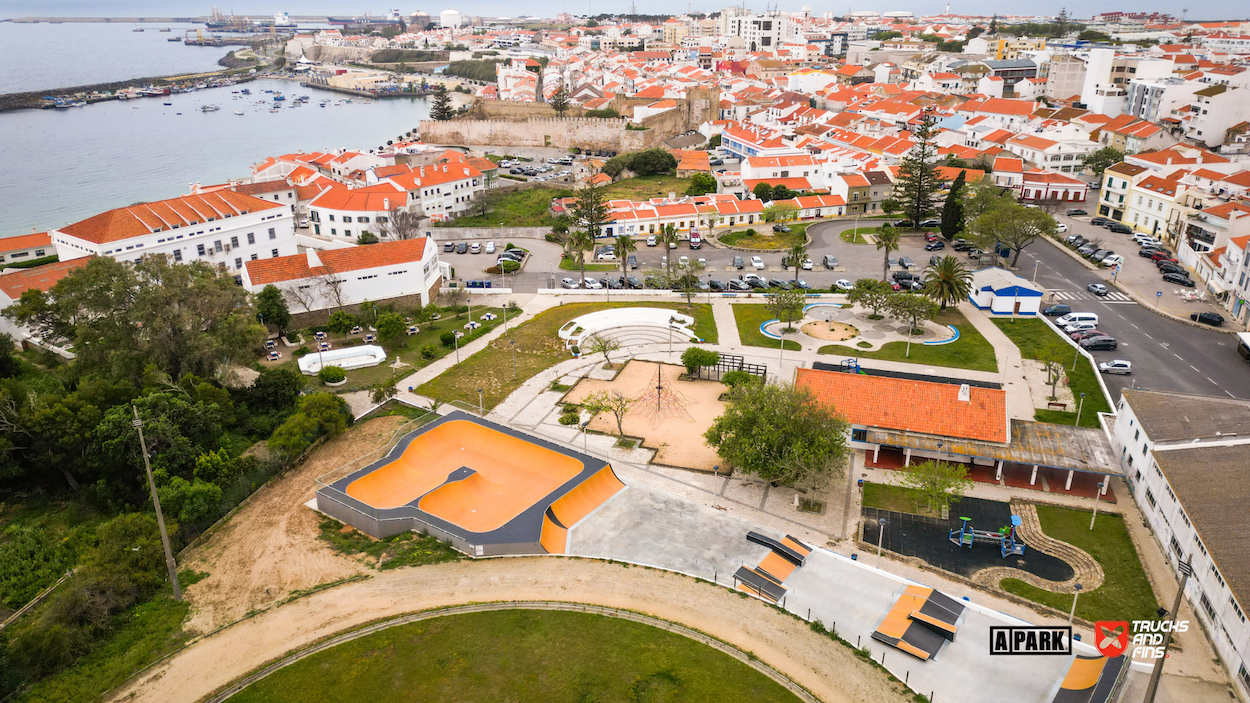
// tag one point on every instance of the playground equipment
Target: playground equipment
(1006, 538)
(849, 365)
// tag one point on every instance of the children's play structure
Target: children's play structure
(1005, 538)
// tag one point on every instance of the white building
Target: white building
(763, 32)
(450, 19)
(317, 280)
(1002, 292)
(222, 227)
(1184, 459)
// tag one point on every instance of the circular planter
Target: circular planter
(335, 384)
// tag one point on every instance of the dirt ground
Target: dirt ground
(830, 331)
(271, 547)
(677, 435)
(830, 670)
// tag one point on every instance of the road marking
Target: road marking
(1117, 314)
(1134, 326)
(1145, 333)
(1230, 395)
(1195, 368)
(1178, 356)
(1213, 382)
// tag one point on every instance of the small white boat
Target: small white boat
(209, 108)
(238, 112)
(274, 110)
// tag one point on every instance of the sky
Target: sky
(1216, 9)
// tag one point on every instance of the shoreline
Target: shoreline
(33, 100)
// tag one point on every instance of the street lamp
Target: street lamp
(709, 289)
(880, 535)
(1091, 520)
(1080, 407)
(156, 502)
(455, 340)
(781, 354)
(479, 403)
(1035, 263)
(672, 322)
(512, 346)
(1076, 594)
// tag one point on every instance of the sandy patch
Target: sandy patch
(271, 546)
(1039, 386)
(830, 331)
(676, 434)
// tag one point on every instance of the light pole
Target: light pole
(1035, 263)
(1186, 568)
(709, 290)
(1080, 407)
(910, 329)
(781, 353)
(1091, 520)
(512, 346)
(880, 535)
(672, 322)
(1076, 594)
(585, 438)
(1076, 357)
(455, 340)
(156, 502)
(479, 403)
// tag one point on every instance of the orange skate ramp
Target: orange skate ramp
(484, 487)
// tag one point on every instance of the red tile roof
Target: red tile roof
(910, 406)
(295, 267)
(146, 218)
(39, 277)
(25, 241)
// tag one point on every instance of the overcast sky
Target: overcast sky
(1217, 9)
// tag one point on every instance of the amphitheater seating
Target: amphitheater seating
(632, 321)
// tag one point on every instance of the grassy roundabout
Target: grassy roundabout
(517, 655)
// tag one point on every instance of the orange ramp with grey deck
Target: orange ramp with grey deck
(575, 505)
(766, 580)
(920, 622)
(1090, 679)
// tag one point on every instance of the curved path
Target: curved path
(830, 671)
(1087, 571)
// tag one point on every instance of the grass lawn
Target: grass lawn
(749, 319)
(856, 236)
(1029, 336)
(572, 265)
(1125, 595)
(144, 634)
(520, 656)
(896, 498)
(971, 351)
(537, 348)
(527, 207)
(766, 238)
(645, 187)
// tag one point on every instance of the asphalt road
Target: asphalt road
(1167, 355)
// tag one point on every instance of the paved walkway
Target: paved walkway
(1010, 363)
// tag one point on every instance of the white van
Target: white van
(1075, 317)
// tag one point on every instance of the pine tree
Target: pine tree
(1062, 21)
(917, 184)
(953, 209)
(560, 101)
(441, 109)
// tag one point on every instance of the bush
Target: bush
(733, 379)
(570, 419)
(428, 352)
(607, 113)
(694, 357)
(331, 374)
(509, 246)
(301, 352)
(447, 338)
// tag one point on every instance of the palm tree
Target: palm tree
(581, 240)
(798, 252)
(625, 245)
(668, 237)
(947, 282)
(887, 240)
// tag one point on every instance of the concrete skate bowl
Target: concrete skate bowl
(485, 488)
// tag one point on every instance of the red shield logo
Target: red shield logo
(1111, 637)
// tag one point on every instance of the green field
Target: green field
(766, 238)
(856, 236)
(518, 656)
(527, 207)
(896, 498)
(646, 187)
(1029, 336)
(1126, 593)
(537, 349)
(749, 318)
(970, 351)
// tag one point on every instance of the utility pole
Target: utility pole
(1187, 569)
(160, 518)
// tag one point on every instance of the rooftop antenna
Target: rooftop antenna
(1183, 13)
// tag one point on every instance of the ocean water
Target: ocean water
(66, 165)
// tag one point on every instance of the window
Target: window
(254, 257)
(331, 219)
(274, 253)
(859, 435)
(1244, 676)
(1150, 498)
(251, 238)
(177, 255)
(234, 241)
(1207, 607)
(1176, 549)
(1201, 548)
(217, 245)
(1216, 573)
(274, 235)
(362, 219)
(199, 249)
(1236, 609)
(39, 252)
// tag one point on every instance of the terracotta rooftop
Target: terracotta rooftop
(39, 277)
(295, 267)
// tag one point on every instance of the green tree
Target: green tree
(668, 239)
(1099, 160)
(560, 101)
(778, 211)
(123, 317)
(192, 502)
(271, 307)
(891, 205)
(701, 184)
(1015, 226)
(560, 232)
(780, 433)
(177, 431)
(797, 253)
(913, 308)
(598, 344)
(625, 245)
(367, 238)
(917, 184)
(953, 209)
(872, 294)
(937, 483)
(887, 243)
(441, 109)
(652, 162)
(614, 402)
(390, 326)
(341, 322)
(947, 282)
(1054, 355)
(787, 305)
(590, 211)
(581, 241)
(763, 191)
(983, 197)
(695, 357)
(781, 192)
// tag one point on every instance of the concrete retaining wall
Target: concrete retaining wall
(499, 234)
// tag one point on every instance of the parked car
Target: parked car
(757, 263)
(831, 261)
(490, 247)
(1061, 228)
(755, 279)
(1099, 221)
(935, 246)
(1101, 254)
(930, 237)
(1086, 334)
(738, 262)
(1179, 279)
(1087, 249)
(1112, 260)
(778, 283)
(1054, 310)
(1119, 366)
(462, 248)
(781, 228)
(613, 283)
(1074, 317)
(931, 222)
(1098, 344)
(1072, 238)
(1208, 318)
(1075, 212)
(738, 285)
(632, 261)
(911, 284)
(935, 260)
(903, 224)
(843, 285)
(906, 262)
(1169, 267)
(1079, 326)
(632, 282)
(1148, 251)
(1120, 228)
(901, 276)
(475, 248)
(449, 247)
(716, 285)
(1096, 289)
(1162, 256)
(806, 264)
(961, 245)
(651, 241)
(569, 283)
(802, 285)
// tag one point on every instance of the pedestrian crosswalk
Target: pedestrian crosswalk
(1086, 295)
